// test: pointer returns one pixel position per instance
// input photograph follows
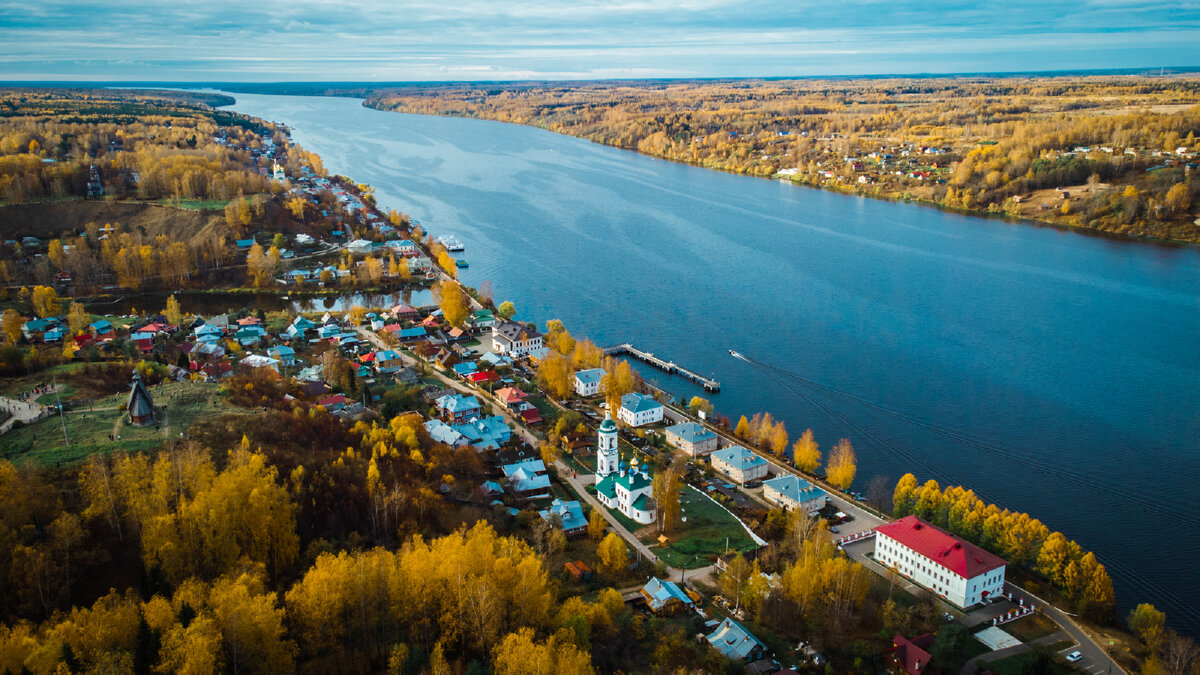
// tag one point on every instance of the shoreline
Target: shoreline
(850, 191)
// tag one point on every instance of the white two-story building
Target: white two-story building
(956, 570)
(639, 409)
(515, 340)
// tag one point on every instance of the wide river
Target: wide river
(1054, 372)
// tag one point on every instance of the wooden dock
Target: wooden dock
(669, 367)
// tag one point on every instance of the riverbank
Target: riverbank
(1115, 156)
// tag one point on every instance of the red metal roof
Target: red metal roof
(960, 557)
(911, 654)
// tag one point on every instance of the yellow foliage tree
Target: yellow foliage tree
(46, 302)
(806, 453)
(842, 465)
(453, 302)
(613, 554)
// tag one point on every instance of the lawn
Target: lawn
(1031, 627)
(88, 429)
(705, 533)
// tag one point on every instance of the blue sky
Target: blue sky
(325, 40)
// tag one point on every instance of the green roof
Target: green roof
(641, 503)
(608, 486)
(633, 481)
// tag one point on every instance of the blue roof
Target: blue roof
(636, 403)
(496, 359)
(37, 324)
(443, 433)
(570, 513)
(419, 331)
(283, 350)
(691, 432)
(527, 475)
(457, 403)
(732, 640)
(142, 336)
(591, 376)
(738, 457)
(659, 593)
(488, 433)
(386, 355)
(464, 368)
(795, 488)
(245, 242)
(100, 324)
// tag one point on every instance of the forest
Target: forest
(108, 189)
(287, 541)
(1114, 154)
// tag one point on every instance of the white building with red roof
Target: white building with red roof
(956, 570)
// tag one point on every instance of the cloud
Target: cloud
(498, 39)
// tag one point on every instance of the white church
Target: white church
(629, 491)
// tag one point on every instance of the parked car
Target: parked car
(1074, 656)
(835, 530)
(751, 484)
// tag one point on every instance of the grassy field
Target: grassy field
(88, 429)
(1031, 627)
(705, 533)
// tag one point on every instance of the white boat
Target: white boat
(451, 244)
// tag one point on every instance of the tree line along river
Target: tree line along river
(1053, 372)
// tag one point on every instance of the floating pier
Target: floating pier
(669, 367)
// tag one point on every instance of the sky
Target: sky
(438, 40)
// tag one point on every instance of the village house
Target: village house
(527, 478)
(333, 403)
(510, 396)
(144, 341)
(284, 354)
(36, 328)
(441, 432)
(639, 410)
(735, 642)
(388, 361)
(569, 514)
(911, 656)
(456, 408)
(956, 570)
(101, 327)
(665, 597)
(692, 438)
(739, 464)
(794, 494)
(515, 340)
(488, 433)
(256, 361)
(587, 382)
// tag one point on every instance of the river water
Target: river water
(1054, 372)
